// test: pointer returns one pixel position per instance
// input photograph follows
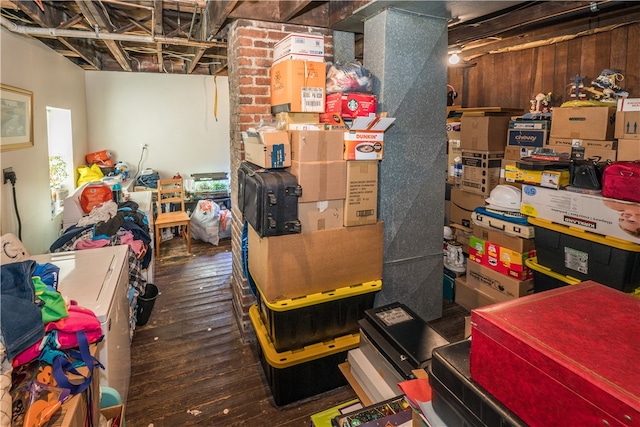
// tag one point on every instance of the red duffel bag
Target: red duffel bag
(621, 180)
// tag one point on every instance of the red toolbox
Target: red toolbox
(564, 357)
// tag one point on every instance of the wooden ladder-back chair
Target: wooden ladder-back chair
(171, 211)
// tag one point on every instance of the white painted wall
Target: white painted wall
(55, 81)
(172, 113)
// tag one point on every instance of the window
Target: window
(60, 156)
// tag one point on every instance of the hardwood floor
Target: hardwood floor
(189, 364)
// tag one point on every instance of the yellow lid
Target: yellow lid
(311, 352)
(532, 263)
(321, 297)
(584, 234)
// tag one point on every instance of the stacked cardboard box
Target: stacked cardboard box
(584, 130)
(314, 285)
(627, 129)
(573, 228)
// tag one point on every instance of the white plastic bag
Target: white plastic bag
(205, 222)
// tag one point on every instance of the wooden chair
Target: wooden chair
(171, 211)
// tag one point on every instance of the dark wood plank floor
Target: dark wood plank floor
(190, 366)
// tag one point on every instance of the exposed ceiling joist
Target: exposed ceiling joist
(95, 13)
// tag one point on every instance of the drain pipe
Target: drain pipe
(55, 32)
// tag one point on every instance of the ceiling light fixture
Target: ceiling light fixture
(454, 58)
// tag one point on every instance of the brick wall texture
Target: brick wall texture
(250, 53)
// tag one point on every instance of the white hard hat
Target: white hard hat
(505, 197)
(448, 233)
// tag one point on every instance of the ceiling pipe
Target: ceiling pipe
(54, 32)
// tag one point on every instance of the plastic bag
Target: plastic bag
(225, 224)
(350, 77)
(89, 174)
(205, 222)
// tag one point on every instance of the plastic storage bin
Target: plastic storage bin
(295, 375)
(545, 279)
(295, 323)
(587, 256)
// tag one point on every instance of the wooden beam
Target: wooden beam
(158, 30)
(85, 50)
(158, 17)
(70, 22)
(94, 12)
(339, 10)
(516, 20)
(197, 52)
(289, 9)
(215, 14)
(47, 18)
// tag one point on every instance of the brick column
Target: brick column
(250, 47)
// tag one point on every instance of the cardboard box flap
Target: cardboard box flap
(372, 123)
(251, 137)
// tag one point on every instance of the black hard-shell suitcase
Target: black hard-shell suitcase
(459, 400)
(268, 198)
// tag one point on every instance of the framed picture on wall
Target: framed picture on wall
(16, 106)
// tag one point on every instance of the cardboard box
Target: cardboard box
(300, 44)
(463, 204)
(499, 237)
(555, 179)
(297, 265)
(628, 104)
(527, 124)
(595, 123)
(627, 125)
(267, 149)
(114, 415)
(628, 149)
(585, 211)
(268, 156)
(582, 152)
(321, 215)
(365, 138)
(470, 297)
(288, 121)
(298, 57)
(500, 259)
(316, 146)
(514, 152)
(361, 202)
(350, 105)
(488, 133)
(527, 138)
(577, 142)
(321, 180)
(298, 86)
(481, 170)
(498, 286)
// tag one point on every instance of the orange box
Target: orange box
(365, 138)
(298, 86)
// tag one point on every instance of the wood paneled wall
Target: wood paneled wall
(511, 79)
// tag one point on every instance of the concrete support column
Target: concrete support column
(406, 53)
